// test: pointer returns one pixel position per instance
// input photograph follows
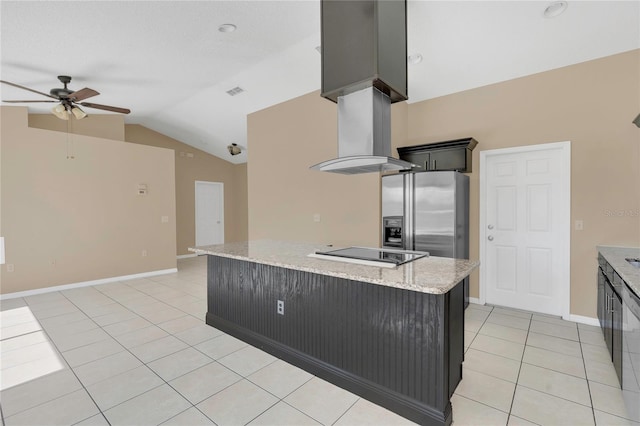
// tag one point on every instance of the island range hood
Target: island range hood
(364, 70)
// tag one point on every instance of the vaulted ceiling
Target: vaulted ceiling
(168, 62)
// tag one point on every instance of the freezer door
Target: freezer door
(393, 195)
(435, 213)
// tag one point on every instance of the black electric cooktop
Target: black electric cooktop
(396, 257)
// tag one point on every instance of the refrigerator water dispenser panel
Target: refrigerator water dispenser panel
(392, 231)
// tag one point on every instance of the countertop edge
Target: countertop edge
(615, 256)
(472, 265)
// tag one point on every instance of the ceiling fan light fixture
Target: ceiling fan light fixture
(60, 111)
(78, 113)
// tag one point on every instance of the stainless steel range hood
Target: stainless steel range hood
(364, 135)
(364, 70)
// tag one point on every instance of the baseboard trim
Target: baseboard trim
(574, 318)
(583, 320)
(86, 283)
(186, 256)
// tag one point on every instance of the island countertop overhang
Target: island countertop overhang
(435, 275)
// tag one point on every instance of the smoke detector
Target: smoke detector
(227, 28)
(555, 9)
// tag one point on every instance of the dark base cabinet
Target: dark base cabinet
(397, 348)
(610, 313)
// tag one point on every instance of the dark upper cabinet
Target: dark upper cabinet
(454, 155)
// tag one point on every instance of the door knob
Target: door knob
(490, 226)
(490, 238)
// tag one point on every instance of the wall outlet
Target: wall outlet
(280, 307)
(144, 253)
(579, 225)
(164, 219)
(10, 267)
(316, 217)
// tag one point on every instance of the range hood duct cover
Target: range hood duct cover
(364, 70)
(364, 135)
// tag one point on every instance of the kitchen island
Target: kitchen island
(394, 336)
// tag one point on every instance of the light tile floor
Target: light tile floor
(137, 352)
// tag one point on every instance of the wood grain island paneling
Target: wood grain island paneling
(399, 348)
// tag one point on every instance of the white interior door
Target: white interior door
(209, 213)
(525, 227)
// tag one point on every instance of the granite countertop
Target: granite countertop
(435, 275)
(616, 257)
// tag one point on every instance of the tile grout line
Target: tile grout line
(125, 349)
(246, 377)
(350, 407)
(585, 379)
(515, 389)
(191, 346)
(132, 354)
(584, 364)
(69, 366)
(146, 364)
(1, 415)
(98, 326)
(72, 369)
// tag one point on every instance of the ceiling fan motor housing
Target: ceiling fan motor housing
(60, 93)
(64, 92)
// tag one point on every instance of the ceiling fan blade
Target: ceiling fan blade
(19, 102)
(106, 107)
(82, 94)
(26, 88)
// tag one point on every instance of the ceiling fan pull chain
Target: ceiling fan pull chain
(70, 153)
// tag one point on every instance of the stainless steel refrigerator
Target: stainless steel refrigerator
(427, 211)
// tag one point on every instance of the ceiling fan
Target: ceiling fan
(68, 100)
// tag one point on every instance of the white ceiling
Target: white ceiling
(170, 65)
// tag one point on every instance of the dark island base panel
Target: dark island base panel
(367, 390)
(400, 349)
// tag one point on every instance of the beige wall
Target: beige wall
(204, 167)
(240, 221)
(74, 220)
(590, 104)
(106, 126)
(284, 194)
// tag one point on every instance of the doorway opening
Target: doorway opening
(209, 213)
